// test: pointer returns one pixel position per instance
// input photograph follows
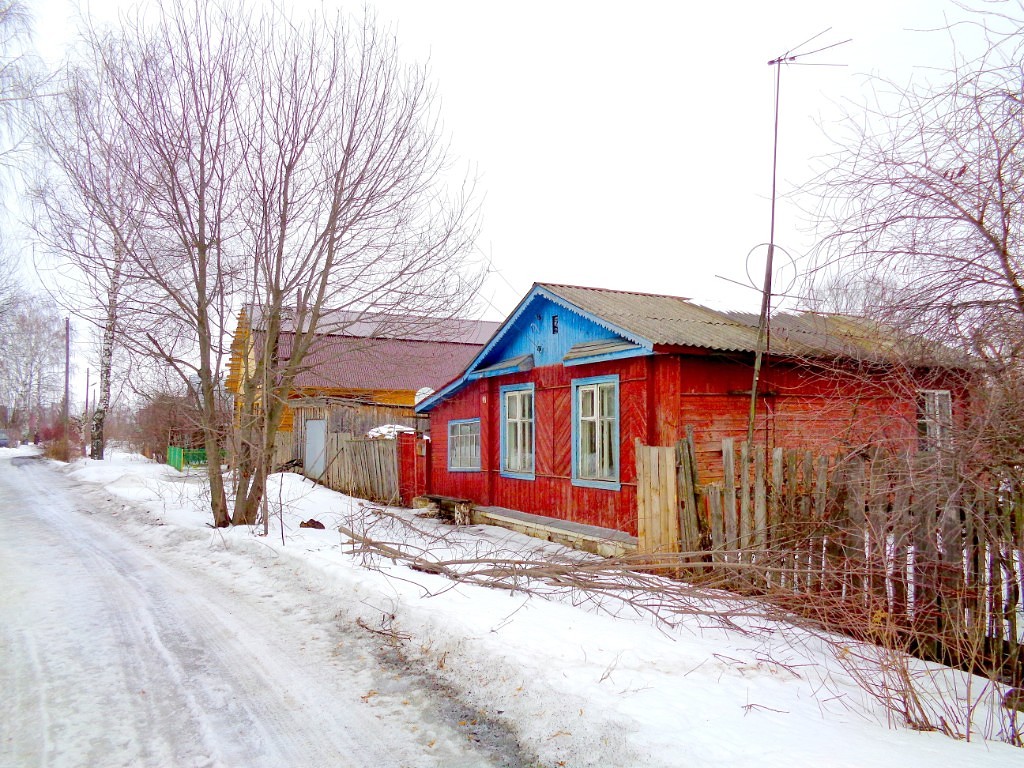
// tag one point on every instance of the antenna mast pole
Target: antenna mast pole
(766, 295)
(763, 324)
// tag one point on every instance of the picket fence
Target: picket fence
(902, 544)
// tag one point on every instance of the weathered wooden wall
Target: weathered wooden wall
(551, 492)
(826, 409)
(362, 467)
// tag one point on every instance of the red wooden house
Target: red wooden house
(544, 419)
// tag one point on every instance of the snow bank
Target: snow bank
(583, 682)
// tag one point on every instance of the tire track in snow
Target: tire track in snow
(147, 658)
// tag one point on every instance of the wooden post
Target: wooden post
(902, 539)
(854, 540)
(714, 492)
(642, 512)
(689, 523)
(746, 524)
(773, 530)
(760, 511)
(670, 501)
(729, 487)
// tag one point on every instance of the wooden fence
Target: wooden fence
(898, 544)
(362, 467)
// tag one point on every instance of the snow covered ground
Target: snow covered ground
(553, 678)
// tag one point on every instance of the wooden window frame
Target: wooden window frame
(460, 438)
(521, 430)
(604, 425)
(934, 420)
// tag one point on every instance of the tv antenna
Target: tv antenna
(793, 56)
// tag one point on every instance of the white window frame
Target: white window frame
(518, 431)
(464, 445)
(934, 420)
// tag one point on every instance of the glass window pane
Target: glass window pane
(607, 450)
(588, 449)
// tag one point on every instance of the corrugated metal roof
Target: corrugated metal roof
(675, 321)
(658, 318)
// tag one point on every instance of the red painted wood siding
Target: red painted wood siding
(659, 396)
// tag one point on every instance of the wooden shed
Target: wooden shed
(545, 418)
(363, 370)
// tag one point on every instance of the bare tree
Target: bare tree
(922, 204)
(20, 74)
(346, 208)
(20, 77)
(10, 285)
(279, 163)
(84, 213)
(31, 361)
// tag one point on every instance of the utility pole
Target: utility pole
(67, 386)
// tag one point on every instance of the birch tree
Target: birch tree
(31, 361)
(20, 75)
(285, 164)
(84, 212)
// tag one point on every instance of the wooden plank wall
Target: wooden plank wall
(362, 467)
(872, 535)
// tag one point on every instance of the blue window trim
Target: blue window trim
(608, 485)
(502, 391)
(455, 422)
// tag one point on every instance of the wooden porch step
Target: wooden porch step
(589, 538)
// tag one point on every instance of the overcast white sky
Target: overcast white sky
(629, 145)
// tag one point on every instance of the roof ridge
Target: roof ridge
(615, 290)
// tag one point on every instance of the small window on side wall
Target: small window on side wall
(464, 445)
(934, 420)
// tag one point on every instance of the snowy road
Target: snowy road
(116, 652)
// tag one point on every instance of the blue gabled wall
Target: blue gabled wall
(531, 333)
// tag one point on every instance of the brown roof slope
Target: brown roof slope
(380, 325)
(346, 362)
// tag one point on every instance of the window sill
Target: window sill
(605, 485)
(518, 475)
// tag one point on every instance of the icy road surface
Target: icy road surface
(118, 653)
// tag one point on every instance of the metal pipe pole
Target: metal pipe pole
(766, 296)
